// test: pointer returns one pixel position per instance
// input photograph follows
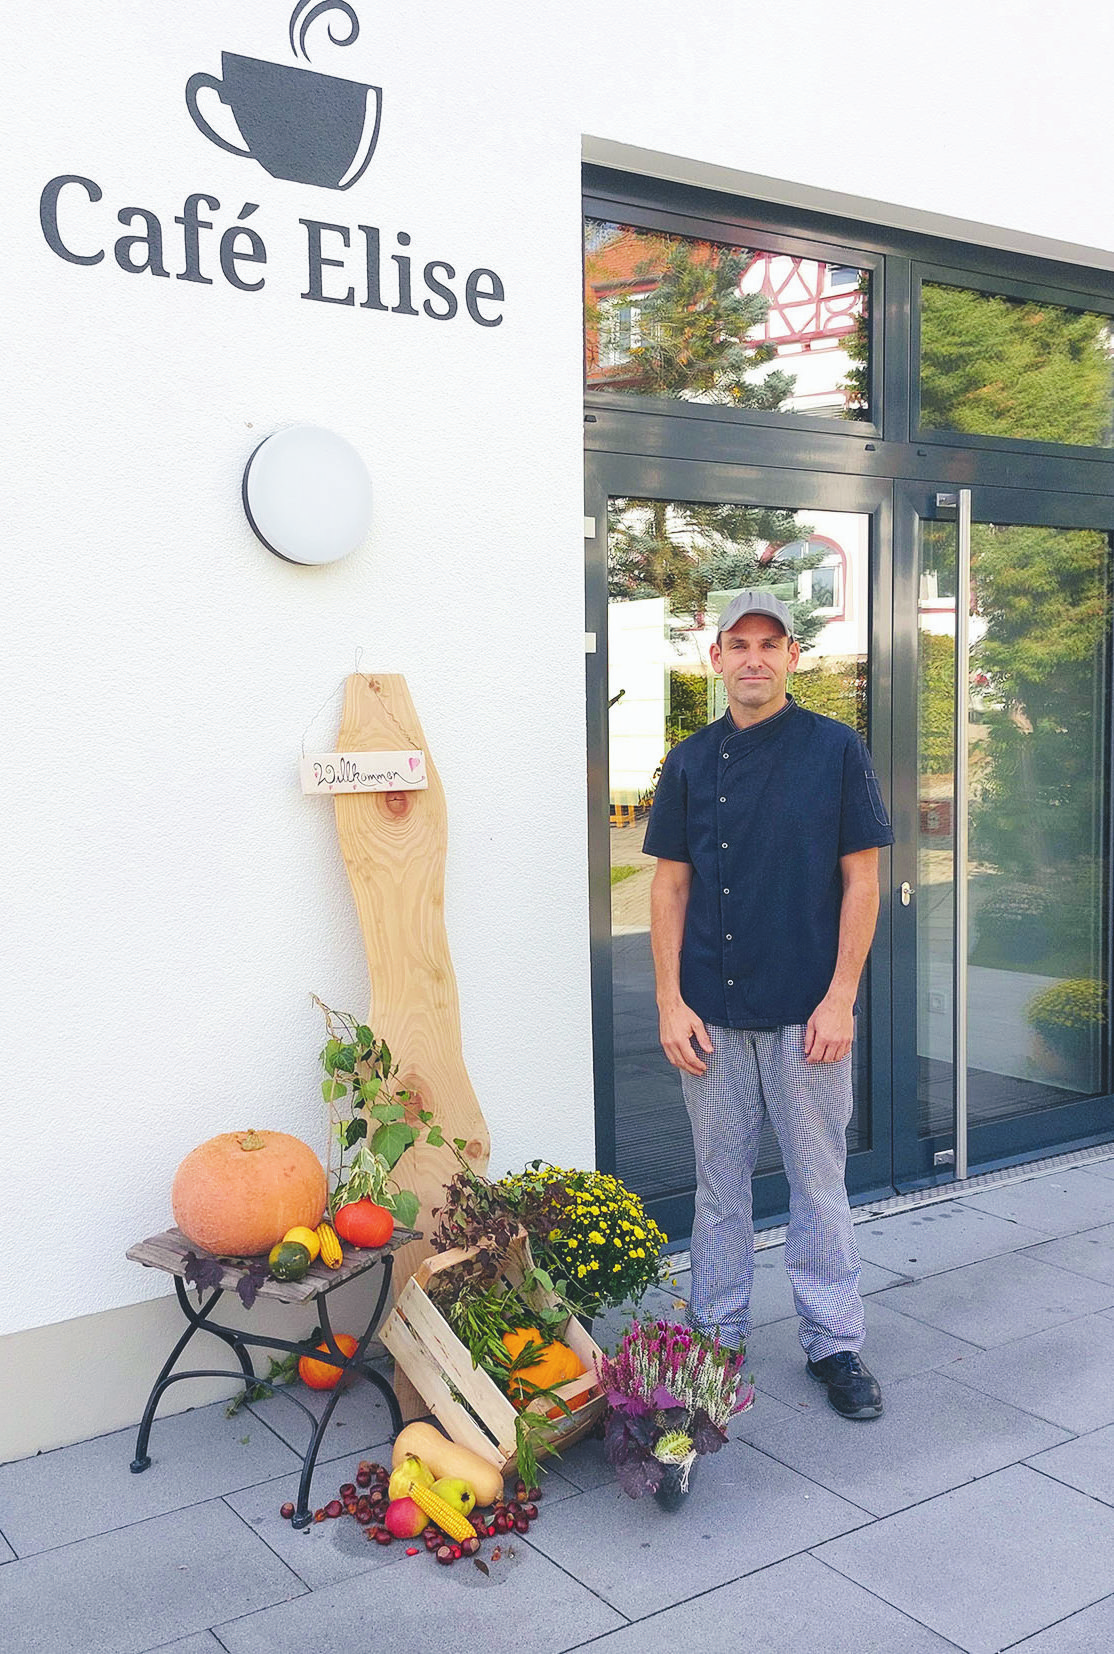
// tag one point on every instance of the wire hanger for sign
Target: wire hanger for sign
(392, 770)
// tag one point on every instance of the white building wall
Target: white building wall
(172, 899)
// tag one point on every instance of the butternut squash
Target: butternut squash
(448, 1458)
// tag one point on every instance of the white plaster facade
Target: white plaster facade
(172, 898)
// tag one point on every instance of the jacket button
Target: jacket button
(723, 801)
(729, 937)
(730, 981)
(727, 890)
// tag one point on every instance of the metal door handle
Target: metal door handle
(906, 893)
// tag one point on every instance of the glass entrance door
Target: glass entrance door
(674, 543)
(1002, 747)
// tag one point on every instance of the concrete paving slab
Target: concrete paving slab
(896, 1347)
(1087, 1632)
(359, 1420)
(325, 1551)
(933, 1435)
(989, 1563)
(203, 1643)
(582, 1465)
(137, 1588)
(75, 1492)
(999, 1299)
(745, 1511)
(1087, 1463)
(1062, 1375)
(931, 1239)
(418, 1607)
(1061, 1204)
(1090, 1254)
(1099, 1168)
(776, 1612)
(6, 1552)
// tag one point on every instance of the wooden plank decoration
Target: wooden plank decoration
(362, 772)
(394, 846)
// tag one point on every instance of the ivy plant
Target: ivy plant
(373, 1118)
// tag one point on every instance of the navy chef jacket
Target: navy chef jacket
(763, 815)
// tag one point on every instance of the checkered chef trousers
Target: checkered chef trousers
(752, 1073)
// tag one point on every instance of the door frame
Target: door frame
(1018, 1137)
(612, 475)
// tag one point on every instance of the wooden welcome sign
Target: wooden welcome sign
(393, 841)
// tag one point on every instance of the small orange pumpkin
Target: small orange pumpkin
(555, 1364)
(322, 1375)
(239, 1193)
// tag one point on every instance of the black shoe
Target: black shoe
(852, 1389)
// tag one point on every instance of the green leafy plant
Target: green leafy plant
(374, 1119)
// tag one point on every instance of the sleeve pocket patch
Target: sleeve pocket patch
(876, 803)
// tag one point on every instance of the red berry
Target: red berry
(319, 1516)
(333, 1508)
(287, 1511)
(411, 1550)
(491, 1529)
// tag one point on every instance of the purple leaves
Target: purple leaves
(206, 1273)
(661, 1398)
(706, 1436)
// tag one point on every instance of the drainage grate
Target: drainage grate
(935, 1197)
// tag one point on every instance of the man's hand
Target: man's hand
(677, 1028)
(830, 1030)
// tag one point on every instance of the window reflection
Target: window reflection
(672, 568)
(996, 366)
(704, 321)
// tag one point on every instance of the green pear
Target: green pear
(456, 1492)
(410, 1470)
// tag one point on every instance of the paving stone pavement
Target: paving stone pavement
(976, 1514)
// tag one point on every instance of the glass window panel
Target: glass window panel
(1038, 745)
(1038, 742)
(996, 366)
(704, 321)
(935, 829)
(672, 566)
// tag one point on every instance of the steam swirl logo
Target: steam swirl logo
(296, 123)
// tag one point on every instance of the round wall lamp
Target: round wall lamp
(307, 494)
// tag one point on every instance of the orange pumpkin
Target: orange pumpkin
(321, 1375)
(239, 1193)
(554, 1364)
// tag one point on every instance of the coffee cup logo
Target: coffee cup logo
(298, 124)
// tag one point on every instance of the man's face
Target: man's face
(755, 659)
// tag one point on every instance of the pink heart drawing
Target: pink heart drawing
(415, 763)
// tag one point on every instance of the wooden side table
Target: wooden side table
(169, 1251)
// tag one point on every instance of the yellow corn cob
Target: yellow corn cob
(440, 1511)
(331, 1254)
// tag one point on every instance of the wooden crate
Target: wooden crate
(438, 1364)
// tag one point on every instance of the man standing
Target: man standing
(767, 826)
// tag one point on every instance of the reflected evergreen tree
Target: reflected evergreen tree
(1017, 368)
(684, 550)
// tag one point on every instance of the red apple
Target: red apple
(404, 1519)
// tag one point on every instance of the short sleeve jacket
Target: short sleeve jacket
(764, 815)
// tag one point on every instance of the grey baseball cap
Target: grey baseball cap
(755, 600)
